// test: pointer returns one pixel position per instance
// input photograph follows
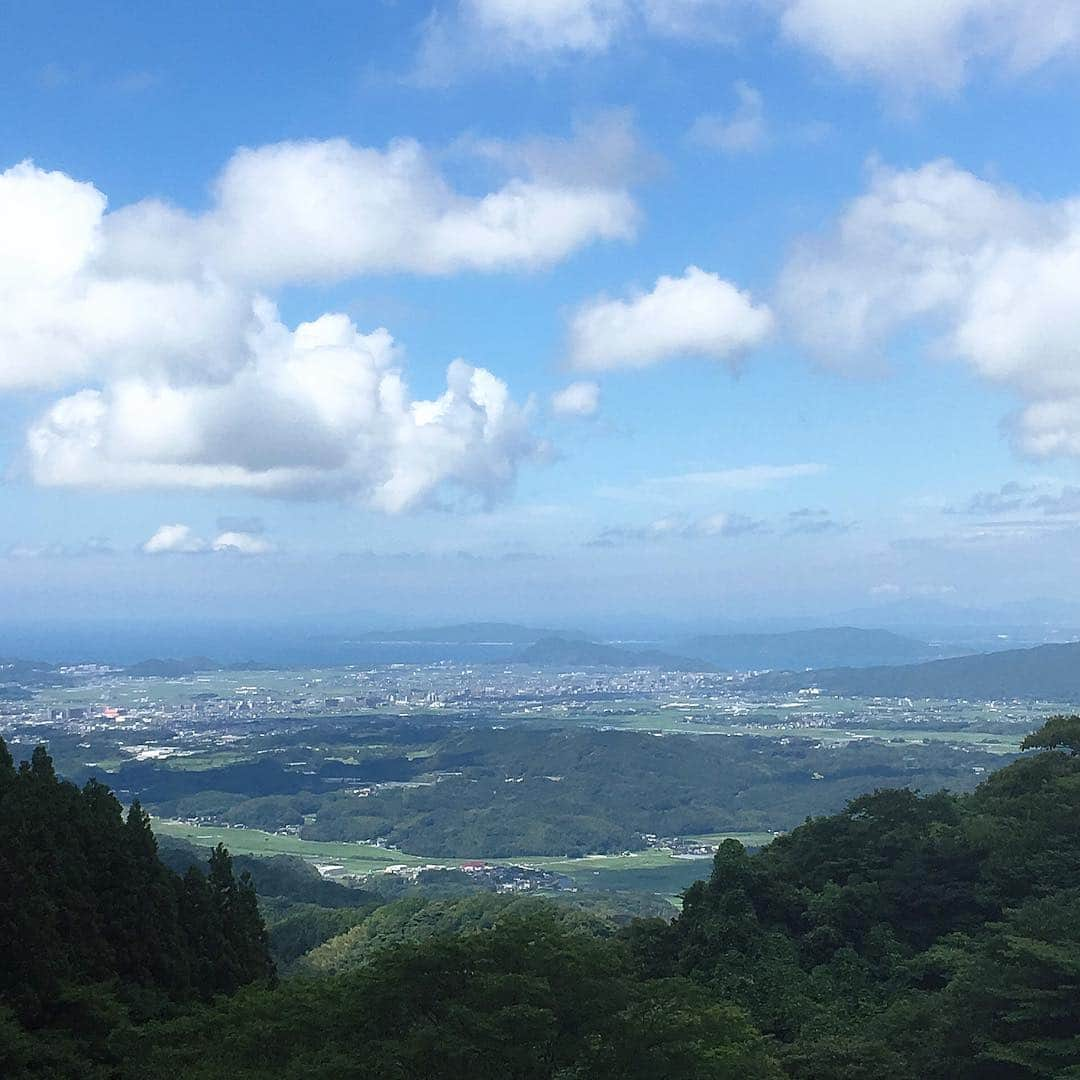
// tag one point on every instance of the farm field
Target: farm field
(653, 870)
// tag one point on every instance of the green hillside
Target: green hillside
(914, 937)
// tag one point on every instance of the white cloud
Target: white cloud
(60, 320)
(693, 488)
(85, 293)
(242, 543)
(727, 524)
(698, 314)
(181, 540)
(328, 210)
(910, 46)
(741, 132)
(320, 411)
(174, 539)
(581, 25)
(992, 276)
(487, 33)
(743, 478)
(915, 45)
(577, 399)
(604, 150)
(187, 376)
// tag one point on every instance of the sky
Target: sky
(562, 309)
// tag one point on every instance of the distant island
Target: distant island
(1046, 672)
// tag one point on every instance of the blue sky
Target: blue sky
(763, 307)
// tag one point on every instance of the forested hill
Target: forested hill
(932, 937)
(95, 930)
(824, 648)
(915, 938)
(1046, 672)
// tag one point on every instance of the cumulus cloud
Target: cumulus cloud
(329, 210)
(487, 33)
(172, 539)
(179, 371)
(61, 320)
(990, 275)
(740, 132)
(322, 410)
(242, 543)
(698, 314)
(918, 46)
(577, 399)
(84, 292)
(182, 540)
(909, 47)
(538, 33)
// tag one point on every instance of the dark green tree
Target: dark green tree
(1058, 732)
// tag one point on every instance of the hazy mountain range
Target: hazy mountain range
(1048, 672)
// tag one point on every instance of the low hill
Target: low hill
(844, 646)
(558, 652)
(482, 633)
(171, 668)
(1046, 672)
(930, 937)
(15, 673)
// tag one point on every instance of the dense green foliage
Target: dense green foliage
(1058, 731)
(916, 937)
(418, 919)
(530, 999)
(524, 792)
(94, 930)
(477, 791)
(911, 937)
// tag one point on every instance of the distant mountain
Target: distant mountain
(23, 673)
(1049, 672)
(558, 652)
(844, 646)
(471, 634)
(191, 665)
